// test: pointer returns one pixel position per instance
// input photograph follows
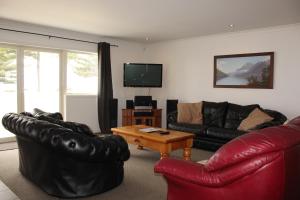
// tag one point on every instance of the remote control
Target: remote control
(164, 132)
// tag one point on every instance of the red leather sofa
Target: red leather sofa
(261, 165)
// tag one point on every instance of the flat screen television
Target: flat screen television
(142, 75)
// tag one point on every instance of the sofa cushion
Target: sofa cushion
(279, 119)
(38, 112)
(226, 134)
(255, 118)
(208, 143)
(26, 114)
(191, 128)
(236, 114)
(74, 126)
(189, 113)
(214, 113)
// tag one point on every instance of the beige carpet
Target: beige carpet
(140, 182)
(8, 146)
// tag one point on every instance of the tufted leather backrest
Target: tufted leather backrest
(214, 113)
(65, 141)
(254, 144)
(236, 114)
(74, 126)
(38, 112)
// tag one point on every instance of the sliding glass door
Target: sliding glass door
(8, 85)
(41, 80)
(29, 78)
(39, 77)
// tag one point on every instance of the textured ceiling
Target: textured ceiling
(157, 19)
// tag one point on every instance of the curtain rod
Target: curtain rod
(52, 36)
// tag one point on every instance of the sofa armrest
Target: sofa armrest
(122, 152)
(266, 125)
(198, 174)
(278, 119)
(172, 117)
(186, 171)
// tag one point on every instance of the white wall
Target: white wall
(188, 68)
(81, 108)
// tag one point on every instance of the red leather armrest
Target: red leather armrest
(186, 170)
(198, 174)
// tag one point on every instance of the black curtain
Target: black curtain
(105, 91)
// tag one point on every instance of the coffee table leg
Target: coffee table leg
(164, 155)
(187, 153)
(140, 147)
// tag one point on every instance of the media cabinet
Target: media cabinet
(129, 118)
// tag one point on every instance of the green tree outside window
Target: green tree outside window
(8, 65)
(85, 64)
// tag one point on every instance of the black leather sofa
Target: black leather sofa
(66, 159)
(220, 123)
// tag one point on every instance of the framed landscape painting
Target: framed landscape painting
(254, 70)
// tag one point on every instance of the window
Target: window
(82, 73)
(33, 77)
(8, 84)
(41, 80)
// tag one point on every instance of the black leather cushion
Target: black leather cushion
(74, 126)
(236, 114)
(214, 113)
(191, 128)
(207, 143)
(226, 134)
(27, 114)
(38, 112)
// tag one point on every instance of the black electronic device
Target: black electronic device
(163, 132)
(143, 102)
(171, 107)
(129, 104)
(142, 113)
(154, 104)
(142, 75)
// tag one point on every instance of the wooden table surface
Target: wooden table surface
(156, 141)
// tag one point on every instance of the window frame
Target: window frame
(63, 62)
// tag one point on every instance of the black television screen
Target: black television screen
(142, 75)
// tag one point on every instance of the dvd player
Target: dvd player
(142, 107)
(142, 112)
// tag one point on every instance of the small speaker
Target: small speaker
(129, 104)
(154, 104)
(171, 105)
(113, 113)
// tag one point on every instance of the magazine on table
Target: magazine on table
(149, 130)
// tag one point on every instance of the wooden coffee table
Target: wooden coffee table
(157, 142)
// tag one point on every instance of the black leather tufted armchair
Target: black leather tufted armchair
(63, 162)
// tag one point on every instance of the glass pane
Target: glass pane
(82, 73)
(8, 85)
(41, 81)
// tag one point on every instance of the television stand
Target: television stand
(130, 117)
